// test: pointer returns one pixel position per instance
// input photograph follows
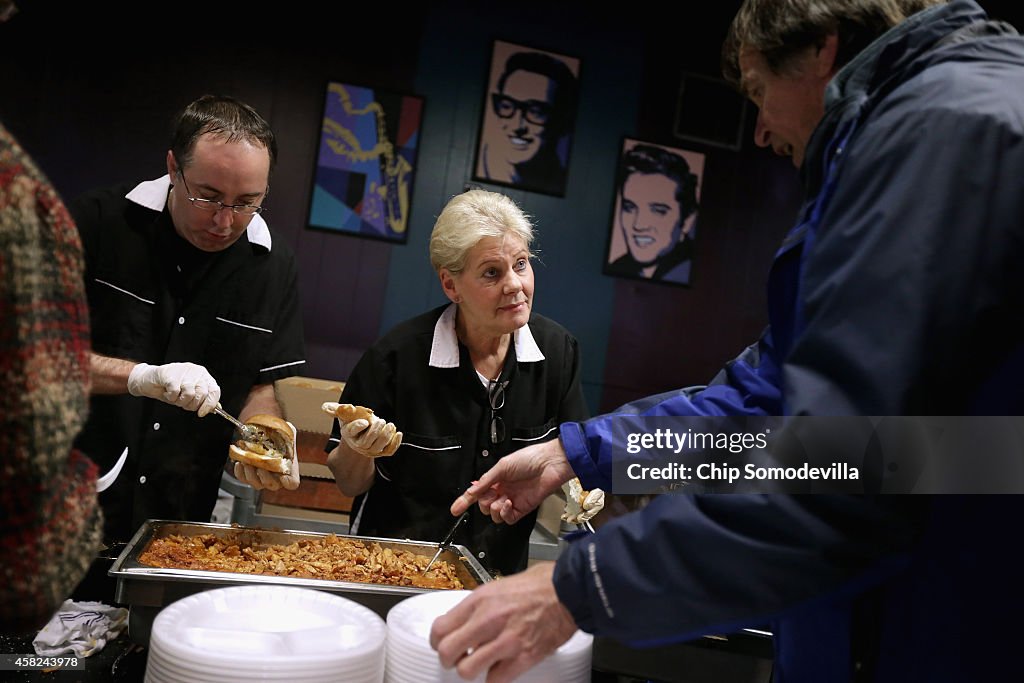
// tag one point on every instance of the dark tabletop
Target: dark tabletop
(737, 659)
(120, 661)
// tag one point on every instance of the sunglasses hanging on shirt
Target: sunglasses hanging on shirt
(496, 399)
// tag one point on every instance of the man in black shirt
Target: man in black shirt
(192, 303)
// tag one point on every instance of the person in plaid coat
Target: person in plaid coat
(50, 522)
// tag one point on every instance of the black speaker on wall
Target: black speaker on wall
(710, 111)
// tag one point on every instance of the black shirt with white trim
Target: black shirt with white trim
(419, 377)
(155, 298)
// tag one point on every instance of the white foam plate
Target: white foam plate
(268, 628)
(409, 653)
(414, 616)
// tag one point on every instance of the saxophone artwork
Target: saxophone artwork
(366, 162)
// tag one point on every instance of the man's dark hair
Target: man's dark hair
(224, 117)
(564, 103)
(781, 29)
(655, 160)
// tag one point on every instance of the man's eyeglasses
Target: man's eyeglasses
(496, 397)
(535, 111)
(212, 205)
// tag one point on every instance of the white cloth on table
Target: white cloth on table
(80, 628)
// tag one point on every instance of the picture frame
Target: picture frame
(655, 213)
(709, 111)
(366, 162)
(528, 119)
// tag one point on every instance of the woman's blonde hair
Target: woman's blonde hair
(469, 217)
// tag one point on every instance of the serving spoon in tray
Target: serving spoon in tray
(447, 541)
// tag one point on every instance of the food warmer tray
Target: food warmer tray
(145, 590)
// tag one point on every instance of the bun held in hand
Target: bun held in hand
(347, 412)
(273, 452)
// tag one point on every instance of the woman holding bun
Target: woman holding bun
(467, 383)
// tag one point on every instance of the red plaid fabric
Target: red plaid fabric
(50, 522)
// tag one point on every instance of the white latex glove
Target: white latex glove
(272, 481)
(369, 439)
(185, 385)
(580, 505)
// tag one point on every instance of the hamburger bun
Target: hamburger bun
(276, 458)
(346, 412)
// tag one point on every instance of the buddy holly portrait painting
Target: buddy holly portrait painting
(529, 112)
(366, 162)
(654, 222)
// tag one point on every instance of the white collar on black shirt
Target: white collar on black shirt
(152, 194)
(444, 351)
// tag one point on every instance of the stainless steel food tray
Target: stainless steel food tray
(146, 589)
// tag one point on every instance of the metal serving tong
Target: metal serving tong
(447, 541)
(248, 433)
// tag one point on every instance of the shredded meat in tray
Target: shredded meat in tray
(327, 557)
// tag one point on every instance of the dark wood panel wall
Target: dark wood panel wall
(102, 116)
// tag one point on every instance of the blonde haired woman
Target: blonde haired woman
(467, 383)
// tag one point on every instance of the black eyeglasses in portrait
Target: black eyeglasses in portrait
(535, 111)
(496, 398)
(527, 118)
(213, 205)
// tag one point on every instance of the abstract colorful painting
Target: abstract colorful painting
(366, 162)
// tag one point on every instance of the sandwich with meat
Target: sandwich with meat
(269, 445)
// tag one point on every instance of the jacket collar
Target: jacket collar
(152, 194)
(444, 350)
(892, 58)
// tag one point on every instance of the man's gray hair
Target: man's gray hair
(779, 30)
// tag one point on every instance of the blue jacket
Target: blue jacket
(899, 292)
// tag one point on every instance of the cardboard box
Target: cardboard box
(317, 489)
(312, 494)
(549, 515)
(301, 398)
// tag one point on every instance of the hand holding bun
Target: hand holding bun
(270, 462)
(581, 505)
(364, 432)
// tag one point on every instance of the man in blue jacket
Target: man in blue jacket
(899, 292)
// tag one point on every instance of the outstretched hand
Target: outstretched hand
(518, 483)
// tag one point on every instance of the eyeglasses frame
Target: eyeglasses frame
(208, 204)
(523, 107)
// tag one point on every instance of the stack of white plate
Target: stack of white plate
(266, 633)
(410, 659)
